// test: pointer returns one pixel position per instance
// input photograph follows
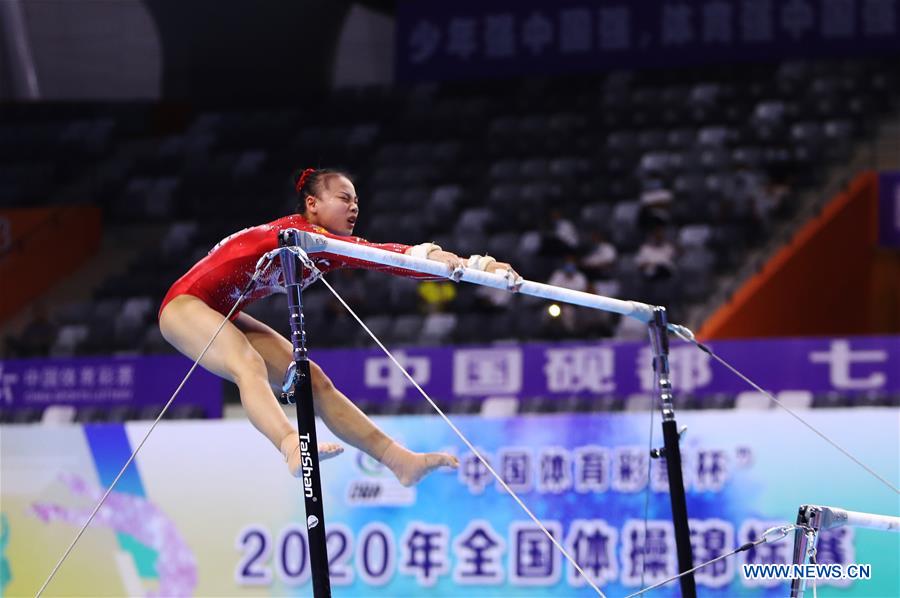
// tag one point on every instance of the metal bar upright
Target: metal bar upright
(805, 543)
(672, 452)
(301, 392)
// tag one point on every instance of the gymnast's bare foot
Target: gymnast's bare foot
(290, 449)
(410, 467)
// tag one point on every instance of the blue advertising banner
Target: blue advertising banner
(846, 365)
(889, 209)
(209, 510)
(469, 39)
(106, 382)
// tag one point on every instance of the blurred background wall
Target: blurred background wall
(262, 52)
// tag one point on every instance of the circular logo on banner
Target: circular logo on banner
(312, 521)
(369, 466)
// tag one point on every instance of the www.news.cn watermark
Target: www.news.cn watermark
(820, 571)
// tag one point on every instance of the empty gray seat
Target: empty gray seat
(504, 196)
(770, 111)
(715, 135)
(465, 243)
(446, 195)
(505, 170)
(415, 199)
(473, 220)
(73, 313)
(681, 137)
(654, 163)
(503, 246)
(714, 159)
(567, 166)
(807, 132)
(705, 93)
(68, 338)
(534, 168)
(651, 140)
(437, 328)
(446, 151)
(625, 214)
(696, 235)
(621, 141)
(380, 325)
(838, 129)
(747, 155)
(596, 215)
(406, 329)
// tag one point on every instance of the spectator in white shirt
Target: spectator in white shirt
(570, 277)
(655, 209)
(564, 229)
(559, 236)
(656, 257)
(598, 263)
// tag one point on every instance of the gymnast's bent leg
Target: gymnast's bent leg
(341, 416)
(187, 323)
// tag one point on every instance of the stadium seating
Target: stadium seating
(474, 168)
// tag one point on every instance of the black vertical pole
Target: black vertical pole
(306, 420)
(660, 341)
(811, 517)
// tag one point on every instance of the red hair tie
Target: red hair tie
(303, 178)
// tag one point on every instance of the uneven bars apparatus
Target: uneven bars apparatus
(292, 240)
(811, 519)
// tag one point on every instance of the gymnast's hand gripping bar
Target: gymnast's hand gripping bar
(313, 243)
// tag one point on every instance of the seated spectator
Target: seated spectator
(559, 236)
(656, 257)
(598, 263)
(768, 201)
(746, 184)
(757, 198)
(37, 337)
(569, 276)
(655, 209)
(593, 323)
(493, 300)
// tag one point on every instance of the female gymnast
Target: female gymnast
(254, 356)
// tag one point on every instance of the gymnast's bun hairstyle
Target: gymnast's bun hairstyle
(307, 182)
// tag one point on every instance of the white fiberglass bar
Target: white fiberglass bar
(313, 243)
(883, 522)
(835, 517)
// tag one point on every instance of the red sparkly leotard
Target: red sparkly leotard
(220, 277)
